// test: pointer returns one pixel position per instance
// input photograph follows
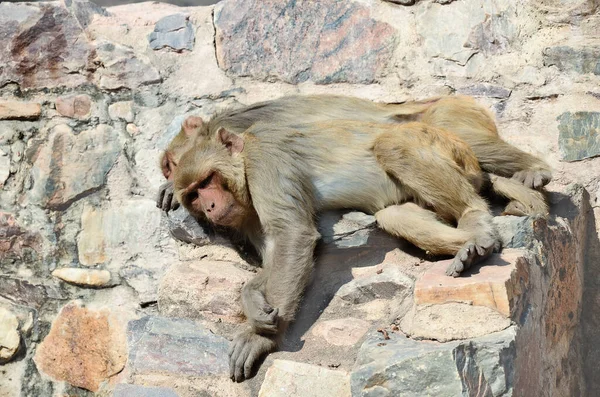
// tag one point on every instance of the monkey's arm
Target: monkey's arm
(287, 265)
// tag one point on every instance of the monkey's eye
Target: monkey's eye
(191, 196)
(206, 181)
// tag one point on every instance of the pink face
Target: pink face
(212, 199)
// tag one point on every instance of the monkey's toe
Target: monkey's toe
(471, 253)
(245, 351)
(533, 179)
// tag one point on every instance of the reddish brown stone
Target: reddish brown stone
(13, 110)
(75, 106)
(14, 239)
(84, 347)
(496, 284)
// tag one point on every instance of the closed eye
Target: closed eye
(205, 182)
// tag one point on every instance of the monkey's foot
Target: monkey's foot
(533, 179)
(166, 197)
(263, 318)
(245, 350)
(472, 252)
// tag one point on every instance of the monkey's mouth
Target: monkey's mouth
(222, 217)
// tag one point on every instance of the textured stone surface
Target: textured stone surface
(27, 293)
(121, 111)
(71, 166)
(84, 277)
(342, 331)
(123, 67)
(125, 390)
(346, 229)
(11, 110)
(10, 337)
(76, 106)
(404, 367)
(452, 321)
(388, 284)
(16, 242)
(4, 168)
(579, 135)
(174, 32)
(287, 378)
(84, 347)
(44, 46)
(177, 346)
(486, 90)
(185, 227)
(325, 42)
(497, 283)
(205, 289)
(580, 59)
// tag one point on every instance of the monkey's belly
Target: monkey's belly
(364, 187)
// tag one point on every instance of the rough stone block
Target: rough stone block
(10, 337)
(174, 32)
(497, 283)
(75, 106)
(291, 379)
(125, 390)
(342, 331)
(205, 289)
(70, 165)
(122, 111)
(84, 347)
(175, 346)
(13, 110)
(580, 59)
(84, 277)
(579, 135)
(385, 285)
(326, 42)
(400, 366)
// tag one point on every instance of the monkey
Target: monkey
(271, 182)
(460, 115)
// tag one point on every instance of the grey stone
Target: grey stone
(403, 367)
(126, 390)
(494, 35)
(28, 294)
(173, 31)
(71, 166)
(580, 59)
(402, 2)
(186, 228)
(43, 46)
(175, 346)
(386, 285)
(485, 90)
(143, 281)
(326, 42)
(515, 231)
(122, 68)
(346, 229)
(579, 135)
(85, 10)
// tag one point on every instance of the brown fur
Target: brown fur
(274, 179)
(459, 115)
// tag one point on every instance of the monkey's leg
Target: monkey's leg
(523, 200)
(434, 180)
(501, 158)
(422, 228)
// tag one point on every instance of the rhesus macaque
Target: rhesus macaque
(271, 181)
(458, 114)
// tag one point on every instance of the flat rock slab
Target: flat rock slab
(125, 390)
(13, 110)
(291, 379)
(175, 346)
(326, 42)
(174, 32)
(399, 366)
(579, 135)
(497, 283)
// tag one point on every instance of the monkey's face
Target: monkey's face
(211, 197)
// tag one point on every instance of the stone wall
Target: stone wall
(96, 296)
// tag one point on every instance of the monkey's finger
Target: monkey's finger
(159, 199)
(254, 355)
(240, 362)
(529, 180)
(232, 359)
(167, 202)
(175, 204)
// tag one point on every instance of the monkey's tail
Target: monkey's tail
(523, 200)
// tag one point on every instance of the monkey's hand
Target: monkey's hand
(263, 318)
(245, 350)
(166, 199)
(535, 178)
(472, 252)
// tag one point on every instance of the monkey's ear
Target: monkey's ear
(233, 142)
(192, 124)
